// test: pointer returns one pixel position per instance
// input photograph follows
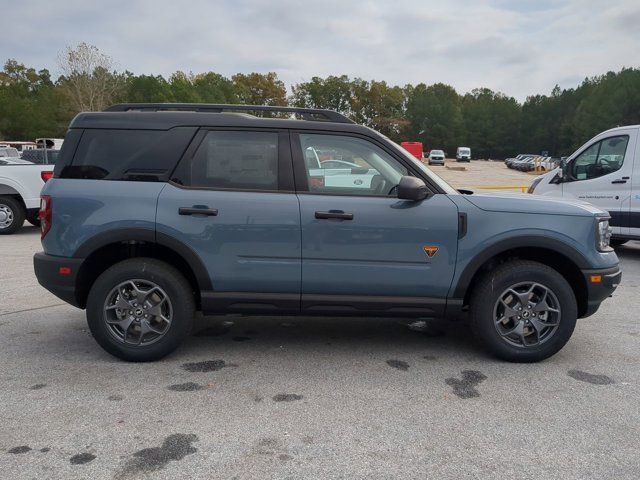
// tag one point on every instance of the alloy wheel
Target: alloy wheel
(138, 312)
(527, 314)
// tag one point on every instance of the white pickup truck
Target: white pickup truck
(20, 185)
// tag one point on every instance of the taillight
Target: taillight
(45, 215)
(46, 175)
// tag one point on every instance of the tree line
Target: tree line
(492, 124)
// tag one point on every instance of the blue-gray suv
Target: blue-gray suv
(158, 210)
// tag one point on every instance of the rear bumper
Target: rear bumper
(59, 282)
(597, 291)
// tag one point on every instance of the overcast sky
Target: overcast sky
(516, 47)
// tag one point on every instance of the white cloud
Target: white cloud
(519, 48)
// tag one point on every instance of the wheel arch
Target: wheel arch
(104, 250)
(556, 254)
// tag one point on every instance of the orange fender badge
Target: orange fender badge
(430, 250)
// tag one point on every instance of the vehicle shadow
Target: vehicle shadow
(27, 229)
(629, 250)
(332, 334)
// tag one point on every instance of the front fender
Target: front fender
(522, 239)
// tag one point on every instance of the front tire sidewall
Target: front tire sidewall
(495, 284)
(167, 278)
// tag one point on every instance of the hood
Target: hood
(527, 203)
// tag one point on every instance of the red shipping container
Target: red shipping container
(414, 148)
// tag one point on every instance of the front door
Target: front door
(601, 174)
(363, 249)
(231, 201)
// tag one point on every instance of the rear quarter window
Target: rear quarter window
(118, 154)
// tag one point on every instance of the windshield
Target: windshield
(437, 152)
(464, 151)
(423, 168)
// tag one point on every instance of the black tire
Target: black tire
(487, 292)
(33, 218)
(168, 279)
(617, 242)
(13, 207)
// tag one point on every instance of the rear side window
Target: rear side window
(113, 154)
(233, 160)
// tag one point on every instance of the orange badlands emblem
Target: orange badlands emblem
(430, 250)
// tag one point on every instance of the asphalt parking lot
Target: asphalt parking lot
(277, 397)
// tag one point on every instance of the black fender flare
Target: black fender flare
(524, 241)
(149, 236)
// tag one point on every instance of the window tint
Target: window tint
(601, 158)
(233, 159)
(349, 166)
(128, 154)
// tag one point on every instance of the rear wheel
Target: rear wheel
(33, 218)
(523, 311)
(140, 309)
(12, 215)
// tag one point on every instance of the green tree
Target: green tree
(260, 89)
(435, 117)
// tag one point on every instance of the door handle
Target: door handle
(339, 214)
(620, 180)
(208, 212)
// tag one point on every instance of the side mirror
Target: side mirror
(412, 188)
(563, 175)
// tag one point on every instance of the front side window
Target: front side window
(234, 160)
(349, 166)
(601, 158)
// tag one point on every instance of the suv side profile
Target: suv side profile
(158, 210)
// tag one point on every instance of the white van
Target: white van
(605, 171)
(463, 154)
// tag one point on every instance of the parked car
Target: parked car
(436, 157)
(510, 162)
(463, 154)
(9, 152)
(40, 156)
(604, 172)
(20, 185)
(14, 161)
(228, 213)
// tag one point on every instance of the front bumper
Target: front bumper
(58, 275)
(600, 285)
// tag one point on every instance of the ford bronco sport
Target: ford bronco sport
(158, 210)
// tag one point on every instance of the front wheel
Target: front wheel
(523, 311)
(140, 309)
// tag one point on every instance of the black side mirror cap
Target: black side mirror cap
(412, 188)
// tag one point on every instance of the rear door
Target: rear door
(601, 174)
(363, 249)
(231, 201)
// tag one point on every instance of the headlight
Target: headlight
(603, 235)
(535, 183)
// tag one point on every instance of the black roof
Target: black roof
(169, 115)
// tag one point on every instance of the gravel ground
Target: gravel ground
(478, 175)
(319, 398)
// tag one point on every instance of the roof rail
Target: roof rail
(304, 113)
